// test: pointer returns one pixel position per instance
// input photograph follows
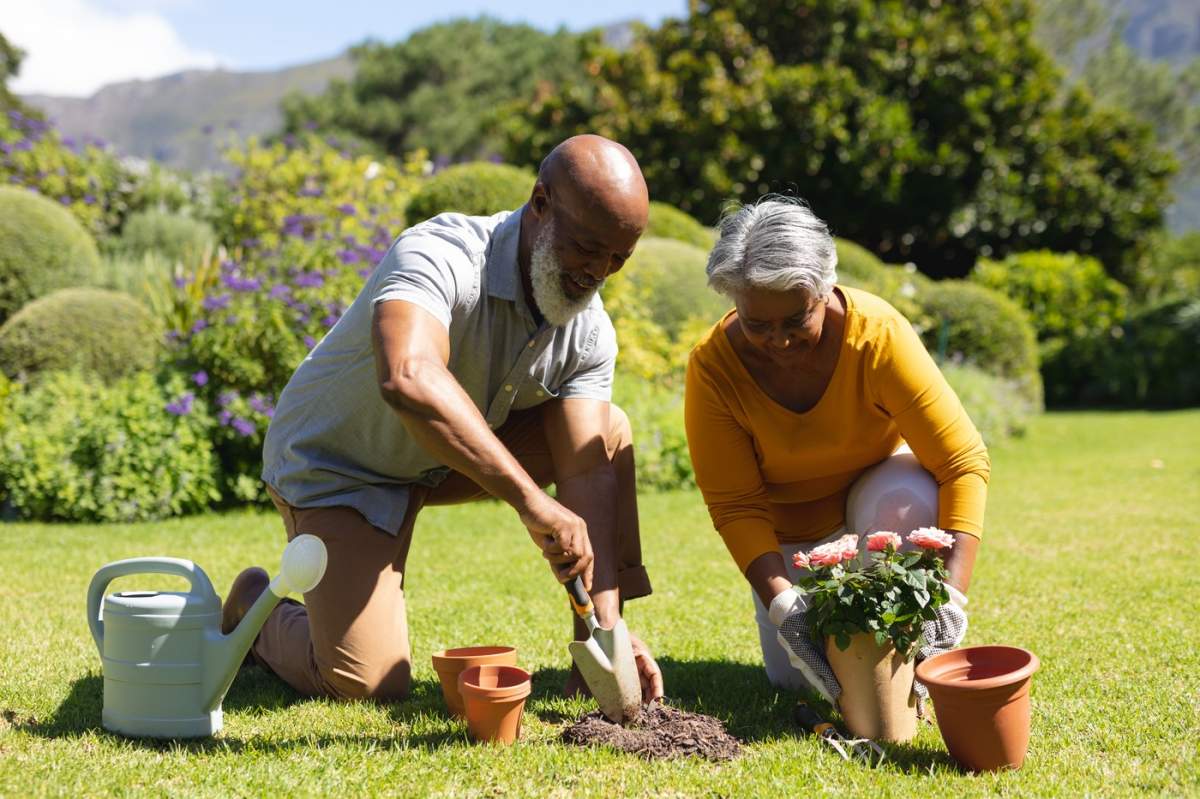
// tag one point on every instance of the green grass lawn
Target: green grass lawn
(1091, 559)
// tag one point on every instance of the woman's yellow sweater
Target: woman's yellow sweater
(771, 475)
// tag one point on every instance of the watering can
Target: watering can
(166, 664)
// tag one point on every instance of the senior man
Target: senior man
(477, 361)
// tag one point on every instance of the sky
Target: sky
(73, 47)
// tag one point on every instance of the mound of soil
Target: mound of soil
(660, 732)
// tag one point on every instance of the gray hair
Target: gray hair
(776, 244)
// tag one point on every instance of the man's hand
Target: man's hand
(563, 538)
(648, 671)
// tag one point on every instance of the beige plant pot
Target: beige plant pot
(877, 701)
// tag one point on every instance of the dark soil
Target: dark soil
(661, 732)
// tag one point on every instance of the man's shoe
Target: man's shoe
(247, 587)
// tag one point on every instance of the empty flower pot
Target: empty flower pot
(494, 698)
(981, 699)
(877, 701)
(449, 663)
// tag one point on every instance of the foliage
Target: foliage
(1150, 363)
(76, 450)
(930, 132)
(1070, 301)
(668, 222)
(887, 595)
(42, 248)
(1170, 269)
(89, 181)
(437, 89)
(176, 237)
(655, 414)
(103, 333)
(998, 406)
(899, 285)
(241, 321)
(304, 186)
(11, 57)
(475, 189)
(983, 328)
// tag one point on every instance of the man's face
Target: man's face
(572, 256)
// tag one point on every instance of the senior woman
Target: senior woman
(813, 410)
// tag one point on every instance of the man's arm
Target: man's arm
(587, 485)
(412, 350)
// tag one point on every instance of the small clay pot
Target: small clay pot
(981, 699)
(877, 701)
(449, 663)
(494, 697)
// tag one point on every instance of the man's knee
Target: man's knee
(620, 432)
(897, 495)
(360, 681)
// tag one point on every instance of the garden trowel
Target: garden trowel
(605, 660)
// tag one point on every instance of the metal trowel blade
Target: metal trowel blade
(606, 662)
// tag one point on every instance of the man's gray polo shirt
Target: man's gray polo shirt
(334, 441)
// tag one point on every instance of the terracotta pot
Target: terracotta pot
(449, 663)
(494, 697)
(877, 701)
(981, 699)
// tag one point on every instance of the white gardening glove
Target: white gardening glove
(941, 634)
(788, 613)
(947, 629)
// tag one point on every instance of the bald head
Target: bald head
(596, 177)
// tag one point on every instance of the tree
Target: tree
(11, 57)
(437, 90)
(928, 131)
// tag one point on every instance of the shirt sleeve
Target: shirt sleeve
(422, 270)
(911, 390)
(727, 469)
(598, 359)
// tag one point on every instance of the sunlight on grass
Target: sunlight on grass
(1088, 560)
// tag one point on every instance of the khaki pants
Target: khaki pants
(350, 638)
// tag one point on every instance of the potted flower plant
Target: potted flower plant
(867, 611)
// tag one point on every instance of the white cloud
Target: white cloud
(73, 48)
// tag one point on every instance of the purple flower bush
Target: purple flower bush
(311, 224)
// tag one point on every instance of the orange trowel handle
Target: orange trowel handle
(580, 599)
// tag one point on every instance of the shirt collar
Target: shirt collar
(503, 271)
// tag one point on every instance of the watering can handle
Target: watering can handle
(177, 566)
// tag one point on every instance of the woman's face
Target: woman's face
(784, 325)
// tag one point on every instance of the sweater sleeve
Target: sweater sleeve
(910, 389)
(727, 470)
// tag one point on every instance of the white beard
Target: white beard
(546, 274)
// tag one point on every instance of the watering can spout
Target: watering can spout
(302, 567)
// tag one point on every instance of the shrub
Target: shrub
(899, 285)
(656, 415)
(1150, 363)
(140, 276)
(668, 222)
(75, 450)
(985, 329)
(104, 333)
(175, 237)
(998, 406)
(660, 303)
(1170, 270)
(478, 188)
(42, 248)
(307, 188)
(1071, 302)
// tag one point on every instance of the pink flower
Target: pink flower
(834, 552)
(800, 560)
(930, 538)
(878, 542)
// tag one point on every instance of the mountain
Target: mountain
(183, 119)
